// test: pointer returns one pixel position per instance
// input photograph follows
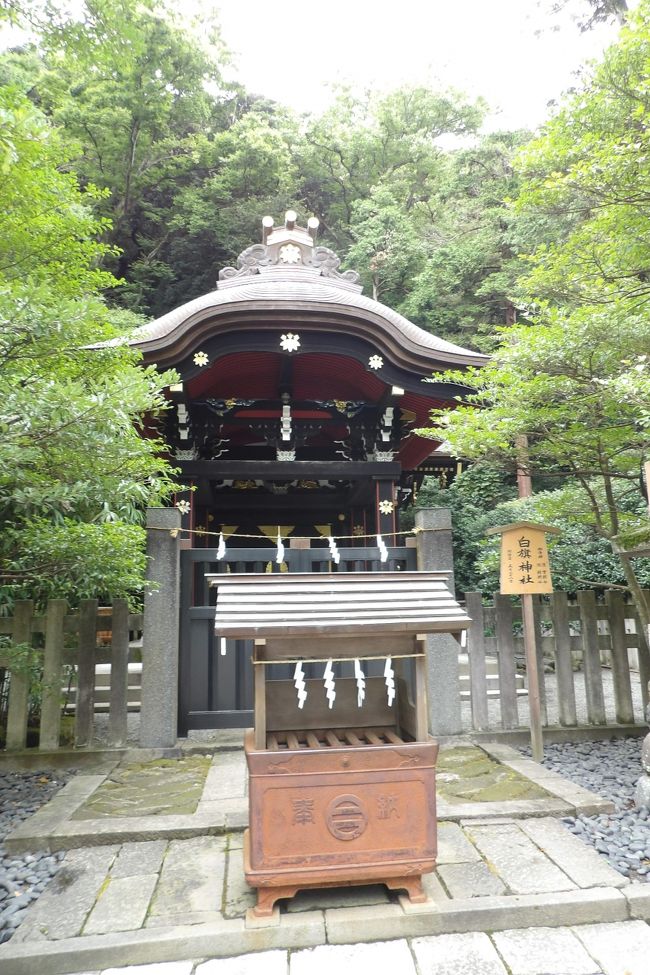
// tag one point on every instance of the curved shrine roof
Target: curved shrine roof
(289, 282)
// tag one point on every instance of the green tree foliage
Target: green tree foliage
(577, 383)
(562, 383)
(590, 170)
(409, 203)
(70, 447)
(483, 497)
(467, 277)
(138, 100)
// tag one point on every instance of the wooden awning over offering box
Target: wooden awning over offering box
(336, 604)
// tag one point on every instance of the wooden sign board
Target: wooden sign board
(524, 562)
(524, 558)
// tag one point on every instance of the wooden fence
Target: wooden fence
(576, 639)
(59, 640)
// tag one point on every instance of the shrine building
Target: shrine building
(293, 422)
(298, 397)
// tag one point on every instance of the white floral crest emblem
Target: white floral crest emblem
(290, 254)
(201, 359)
(183, 507)
(386, 507)
(290, 342)
(375, 362)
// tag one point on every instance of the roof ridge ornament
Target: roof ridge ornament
(289, 251)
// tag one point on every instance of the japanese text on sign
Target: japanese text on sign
(524, 561)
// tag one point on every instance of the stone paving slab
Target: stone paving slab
(619, 951)
(470, 880)
(560, 949)
(383, 956)
(522, 866)
(122, 905)
(458, 955)
(191, 878)
(264, 963)
(580, 862)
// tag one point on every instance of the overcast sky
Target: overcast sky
(512, 52)
(292, 50)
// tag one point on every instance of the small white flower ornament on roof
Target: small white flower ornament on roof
(375, 362)
(201, 359)
(290, 342)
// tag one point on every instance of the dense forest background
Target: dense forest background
(134, 172)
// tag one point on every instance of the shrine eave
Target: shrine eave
(299, 306)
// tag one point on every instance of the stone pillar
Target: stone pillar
(159, 708)
(435, 554)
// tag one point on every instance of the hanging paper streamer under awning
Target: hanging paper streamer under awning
(328, 678)
(299, 681)
(361, 682)
(389, 676)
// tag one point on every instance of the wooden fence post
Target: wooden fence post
(566, 692)
(619, 657)
(51, 687)
(591, 657)
(476, 657)
(117, 721)
(19, 686)
(85, 702)
(506, 651)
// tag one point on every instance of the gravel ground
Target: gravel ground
(611, 769)
(24, 876)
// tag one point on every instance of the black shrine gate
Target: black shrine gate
(216, 690)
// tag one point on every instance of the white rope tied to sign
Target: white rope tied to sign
(361, 682)
(279, 557)
(221, 548)
(299, 681)
(383, 551)
(389, 675)
(328, 677)
(334, 552)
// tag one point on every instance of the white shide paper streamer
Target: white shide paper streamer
(299, 681)
(279, 558)
(328, 677)
(221, 547)
(361, 683)
(389, 675)
(334, 552)
(383, 551)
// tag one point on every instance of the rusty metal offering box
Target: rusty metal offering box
(337, 815)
